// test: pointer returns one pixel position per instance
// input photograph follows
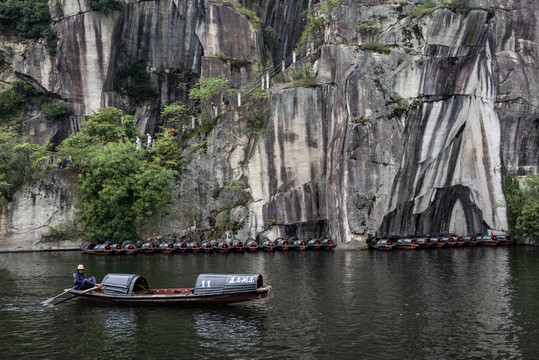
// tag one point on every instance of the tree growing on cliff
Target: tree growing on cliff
(120, 187)
(121, 190)
(31, 18)
(523, 208)
(207, 89)
(20, 162)
(107, 6)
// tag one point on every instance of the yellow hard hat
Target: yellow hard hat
(80, 267)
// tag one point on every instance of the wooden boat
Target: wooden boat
(236, 246)
(165, 248)
(193, 246)
(313, 244)
(131, 289)
(487, 240)
(85, 246)
(281, 244)
(327, 244)
(423, 242)
(266, 245)
(382, 244)
(406, 244)
(469, 240)
(99, 249)
(436, 242)
(460, 241)
(221, 246)
(180, 247)
(147, 248)
(206, 246)
(116, 249)
(251, 245)
(297, 244)
(503, 240)
(129, 249)
(448, 241)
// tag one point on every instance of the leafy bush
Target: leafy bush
(316, 24)
(119, 191)
(31, 18)
(102, 128)
(306, 70)
(374, 46)
(523, 208)
(20, 162)
(107, 6)
(176, 113)
(134, 81)
(425, 9)
(400, 106)
(305, 82)
(120, 188)
(329, 5)
(13, 99)
(314, 29)
(206, 90)
(251, 15)
(269, 34)
(56, 111)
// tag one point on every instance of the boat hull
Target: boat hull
(406, 247)
(98, 253)
(382, 248)
(173, 297)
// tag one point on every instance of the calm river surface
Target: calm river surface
(467, 303)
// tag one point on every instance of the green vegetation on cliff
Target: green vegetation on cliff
(107, 6)
(316, 24)
(20, 162)
(12, 100)
(134, 81)
(121, 187)
(30, 18)
(523, 208)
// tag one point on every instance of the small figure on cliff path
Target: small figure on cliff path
(227, 103)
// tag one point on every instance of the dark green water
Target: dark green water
(469, 303)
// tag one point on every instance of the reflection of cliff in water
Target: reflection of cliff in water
(447, 294)
(524, 299)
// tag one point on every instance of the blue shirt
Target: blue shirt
(78, 278)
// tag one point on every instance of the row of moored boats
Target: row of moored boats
(220, 246)
(446, 241)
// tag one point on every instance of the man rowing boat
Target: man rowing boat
(81, 281)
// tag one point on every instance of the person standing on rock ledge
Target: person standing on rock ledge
(80, 280)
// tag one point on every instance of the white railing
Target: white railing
(264, 82)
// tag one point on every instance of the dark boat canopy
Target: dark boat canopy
(124, 284)
(223, 283)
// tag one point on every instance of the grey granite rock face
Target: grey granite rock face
(426, 130)
(39, 213)
(411, 139)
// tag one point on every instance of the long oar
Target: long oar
(57, 296)
(74, 296)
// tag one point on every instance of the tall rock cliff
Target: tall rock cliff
(410, 127)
